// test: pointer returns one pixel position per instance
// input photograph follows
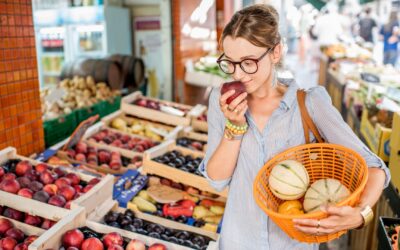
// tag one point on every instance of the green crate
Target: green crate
(58, 129)
(84, 113)
(108, 107)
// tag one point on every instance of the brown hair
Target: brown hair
(257, 24)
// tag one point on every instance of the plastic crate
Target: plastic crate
(58, 129)
(110, 106)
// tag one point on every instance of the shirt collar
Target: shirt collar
(290, 96)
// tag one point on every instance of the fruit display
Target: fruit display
(196, 208)
(289, 180)
(76, 93)
(177, 109)
(83, 153)
(190, 143)
(124, 141)
(43, 183)
(87, 239)
(237, 86)
(393, 235)
(26, 218)
(12, 238)
(178, 160)
(154, 131)
(129, 221)
(324, 192)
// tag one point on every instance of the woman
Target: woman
(390, 36)
(269, 119)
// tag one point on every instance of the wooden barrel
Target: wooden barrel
(133, 70)
(101, 70)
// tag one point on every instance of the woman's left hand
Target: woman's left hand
(339, 219)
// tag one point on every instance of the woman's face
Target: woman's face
(238, 49)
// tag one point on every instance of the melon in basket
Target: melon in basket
(288, 180)
(324, 192)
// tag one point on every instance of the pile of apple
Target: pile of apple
(106, 136)
(87, 239)
(190, 143)
(12, 238)
(84, 153)
(42, 183)
(26, 218)
(176, 159)
(128, 221)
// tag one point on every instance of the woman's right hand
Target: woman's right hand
(235, 110)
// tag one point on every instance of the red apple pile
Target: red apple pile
(75, 239)
(42, 183)
(128, 142)
(12, 238)
(25, 218)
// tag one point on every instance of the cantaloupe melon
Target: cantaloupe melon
(288, 180)
(323, 192)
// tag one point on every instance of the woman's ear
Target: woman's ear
(277, 53)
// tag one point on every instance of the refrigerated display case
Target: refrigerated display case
(65, 34)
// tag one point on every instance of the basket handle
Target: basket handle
(308, 123)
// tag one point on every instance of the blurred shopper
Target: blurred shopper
(390, 35)
(328, 28)
(366, 25)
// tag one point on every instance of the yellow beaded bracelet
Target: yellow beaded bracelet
(235, 127)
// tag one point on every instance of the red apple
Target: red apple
(32, 175)
(157, 246)
(73, 238)
(94, 181)
(21, 246)
(87, 188)
(81, 148)
(7, 243)
(112, 238)
(116, 165)
(35, 186)
(5, 225)
(60, 172)
(26, 192)
(11, 186)
(104, 156)
(30, 239)
(41, 167)
(235, 85)
(135, 245)
(92, 244)
(115, 247)
(51, 189)
(33, 220)
(13, 214)
(24, 181)
(67, 192)
(68, 205)
(22, 167)
(57, 200)
(9, 176)
(74, 178)
(41, 196)
(78, 188)
(80, 157)
(63, 181)
(46, 177)
(47, 224)
(71, 153)
(16, 234)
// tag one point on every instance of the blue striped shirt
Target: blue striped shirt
(245, 225)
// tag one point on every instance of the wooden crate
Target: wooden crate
(188, 132)
(152, 167)
(98, 215)
(89, 201)
(172, 131)
(197, 124)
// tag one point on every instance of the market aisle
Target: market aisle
(306, 74)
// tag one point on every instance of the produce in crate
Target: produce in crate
(128, 221)
(26, 218)
(87, 239)
(12, 238)
(161, 106)
(289, 180)
(75, 93)
(324, 192)
(141, 127)
(235, 85)
(42, 183)
(182, 162)
(190, 143)
(106, 136)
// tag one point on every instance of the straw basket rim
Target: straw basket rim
(318, 214)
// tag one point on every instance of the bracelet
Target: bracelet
(230, 136)
(236, 129)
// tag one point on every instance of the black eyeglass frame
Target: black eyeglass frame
(256, 61)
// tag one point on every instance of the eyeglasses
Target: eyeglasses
(249, 65)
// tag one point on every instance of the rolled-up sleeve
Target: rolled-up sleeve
(335, 130)
(216, 124)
